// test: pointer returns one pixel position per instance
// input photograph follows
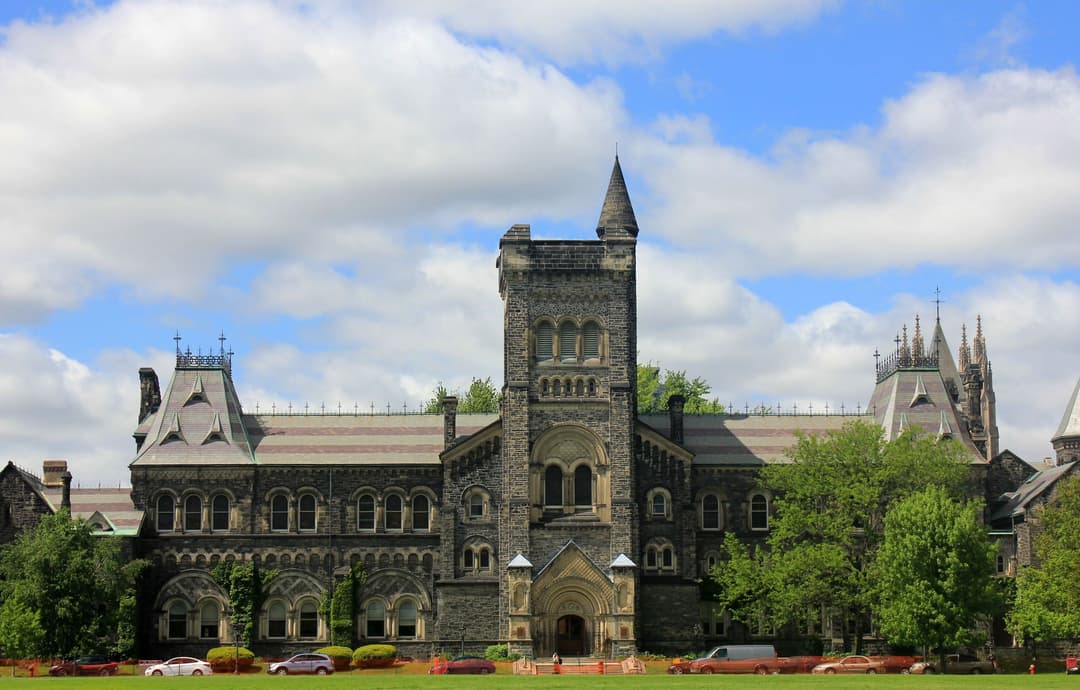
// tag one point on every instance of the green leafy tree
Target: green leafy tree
(69, 581)
(481, 397)
(654, 389)
(935, 572)
(245, 583)
(1048, 590)
(829, 509)
(21, 635)
(342, 606)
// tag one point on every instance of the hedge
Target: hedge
(375, 655)
(222, 658)
(341, 656)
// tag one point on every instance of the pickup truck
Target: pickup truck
(85, 666)
(956, 663)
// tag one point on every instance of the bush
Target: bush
(498, 652)
(342, 656)
(221, 659)
(375, 656)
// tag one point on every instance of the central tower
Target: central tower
(568, 415)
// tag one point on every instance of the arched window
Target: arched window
(177, 621)
(165, 513)
(468, 561)
(553, 486)
(485, 560)
(476, 506)
(568, 343)
(365, 512)
(658, 504)
(275, 621)
(1001, 564)
(279, 513)
(192, 514)
(710, 562)
(759, 512)
(376, 620)
(421, 513)
(307, 512)
(544, 341)
(590, 341)
(220, 513)
(583, 487)
(650, 558)
(309, 621)
(208, 624)
(406, 626)
(667, 558)
(393, 512)
(710, 512)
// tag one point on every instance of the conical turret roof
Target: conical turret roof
(617, 215)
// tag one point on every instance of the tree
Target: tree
(829, 508)
(654, 390)
(1047, 591)
(68, 582)
(935, 572)
(481, 397)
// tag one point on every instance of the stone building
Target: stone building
(564, 522)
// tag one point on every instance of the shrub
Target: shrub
(221, 658)
(342, 656)
(375, 656)
(498, 652)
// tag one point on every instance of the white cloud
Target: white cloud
(612, 31)
(963, 172)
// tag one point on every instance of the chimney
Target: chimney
(675, 408)
(65, 501)
(52, 472)
(150, 393)
(449, 406)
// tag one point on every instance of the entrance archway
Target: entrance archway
(570, 636)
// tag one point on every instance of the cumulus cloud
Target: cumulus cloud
(963, 171)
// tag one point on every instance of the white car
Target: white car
(180, 666)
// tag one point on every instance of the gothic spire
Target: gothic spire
(617, 215)
(918, 349)
(980, 342)
(965, 351)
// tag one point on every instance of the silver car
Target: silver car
(319, 664)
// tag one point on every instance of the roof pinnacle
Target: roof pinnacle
(617, 214)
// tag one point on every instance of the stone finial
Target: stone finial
(905, 350)
(918, 349)
(980, 341)
(965, 351)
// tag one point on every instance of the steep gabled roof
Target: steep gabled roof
(1070, 421)
(1013, 506)
(200, 421)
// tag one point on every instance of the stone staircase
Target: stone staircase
(579, 666)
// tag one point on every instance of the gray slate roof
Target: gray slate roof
(1014, 505)
(1070, 421)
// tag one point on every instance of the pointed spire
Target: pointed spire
(918, 350)
(905, 351)
(965, 351)
(617, 215)
(980, 342)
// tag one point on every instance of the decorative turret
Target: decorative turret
(905, 351)
(965, 351)
(617, 215)
(980, 342)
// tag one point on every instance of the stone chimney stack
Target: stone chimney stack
(52, 472)
(449, 406)
(65, 500)
(150, 393)
(675, 413)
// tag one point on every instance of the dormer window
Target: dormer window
(198, 393)
(216, 433)
(174, 433)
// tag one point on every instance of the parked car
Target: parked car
(797, 664)
(956, 663)
(852, 664)
(463, 664)
(734, 658)
(85, 666)
(319, 664)
(180, 666)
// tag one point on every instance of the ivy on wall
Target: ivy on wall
(245, 583)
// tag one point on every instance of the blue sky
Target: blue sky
(326, 182)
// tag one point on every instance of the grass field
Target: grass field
(414, 676)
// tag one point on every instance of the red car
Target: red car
(463, 664)
(852, 664)
(85, 666)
